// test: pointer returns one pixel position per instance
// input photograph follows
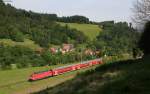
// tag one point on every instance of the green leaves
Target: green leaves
(21, 56)
(117, 38)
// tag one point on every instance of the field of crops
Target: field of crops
(89, 30)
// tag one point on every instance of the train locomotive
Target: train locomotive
(61, 70)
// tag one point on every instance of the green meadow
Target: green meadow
(16, 81)
(89, 30)
(27, 43)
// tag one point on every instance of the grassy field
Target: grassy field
(15, 81)
(88, 29)
(123, 77)
(27, 43)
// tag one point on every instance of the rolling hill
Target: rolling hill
(89, 30)
(17, 24)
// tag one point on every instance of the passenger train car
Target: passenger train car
(61, 70)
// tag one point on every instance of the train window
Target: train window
(40, 71)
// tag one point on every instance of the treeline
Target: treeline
(116, 39)
(74, 19)
(22, 57)
(17, 24)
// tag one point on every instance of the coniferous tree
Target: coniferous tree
(145, 39)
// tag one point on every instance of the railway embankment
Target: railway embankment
(122, 77)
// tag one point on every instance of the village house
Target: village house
(67, 48)
(89, 52)
(54, 50)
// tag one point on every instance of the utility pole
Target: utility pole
(81, 52)
(81, 55)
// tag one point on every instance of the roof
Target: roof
(75, 64)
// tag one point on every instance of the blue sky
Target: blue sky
(96, 10)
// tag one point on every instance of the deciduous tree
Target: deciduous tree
(141, 11)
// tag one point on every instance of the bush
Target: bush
(21, 56)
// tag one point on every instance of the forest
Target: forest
(118, 38)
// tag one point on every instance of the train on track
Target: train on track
(61, 70)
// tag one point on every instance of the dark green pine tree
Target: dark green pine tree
(144, 42)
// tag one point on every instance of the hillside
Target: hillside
(17, 25)
(22, 32)
(27, 43)
(89, 30)
(124, 77)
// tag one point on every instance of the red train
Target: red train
(61, 70)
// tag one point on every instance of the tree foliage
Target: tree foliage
(117, 38)
(74, 19)
(145, 39)
(24, 57)
(21, 56)
(141, 11)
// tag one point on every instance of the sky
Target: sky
(95, 10)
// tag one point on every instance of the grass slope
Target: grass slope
(27, 43)
(88, 29)
(124, 77)
(15, 81)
